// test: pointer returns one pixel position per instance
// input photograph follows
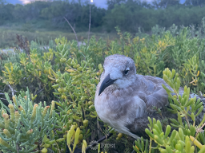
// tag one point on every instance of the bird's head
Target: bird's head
(119, 70)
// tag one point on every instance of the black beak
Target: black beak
(106, 82)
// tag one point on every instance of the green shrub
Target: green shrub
(26, 125)
(69, 75)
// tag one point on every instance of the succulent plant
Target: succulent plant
(24, 124)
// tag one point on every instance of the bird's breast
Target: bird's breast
(119, 104)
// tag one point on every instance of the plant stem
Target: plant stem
(58, 147)
(150, 145)
(73, 31)
(12, 90)
(17, 148)
(187, 121)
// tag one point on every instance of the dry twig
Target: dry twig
(12, 90)
(73, 30)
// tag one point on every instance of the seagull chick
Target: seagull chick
(124, 99)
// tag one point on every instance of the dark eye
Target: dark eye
(125, 72)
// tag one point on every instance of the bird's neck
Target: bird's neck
(123, 84)
(121, 90)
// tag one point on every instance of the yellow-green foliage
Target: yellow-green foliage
(23, 130)
(69, 75)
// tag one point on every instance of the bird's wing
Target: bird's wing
(156, 81)
(157, 100)
(155, 95)
(138, 117)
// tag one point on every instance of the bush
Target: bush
(24, 128)
(68, 75)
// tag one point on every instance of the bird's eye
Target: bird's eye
(125, 72)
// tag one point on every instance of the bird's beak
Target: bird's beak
(106, 82)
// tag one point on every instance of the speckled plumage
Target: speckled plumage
(126, 104)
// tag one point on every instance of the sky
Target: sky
(99, 3)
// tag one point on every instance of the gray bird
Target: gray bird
(124, 99)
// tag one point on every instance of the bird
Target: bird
(124, 99)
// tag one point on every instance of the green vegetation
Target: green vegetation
(65, 76)
(8, 36)
(27, 124)
(130, 15)
(44, 21)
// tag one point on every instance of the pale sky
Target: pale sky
(99, 3)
